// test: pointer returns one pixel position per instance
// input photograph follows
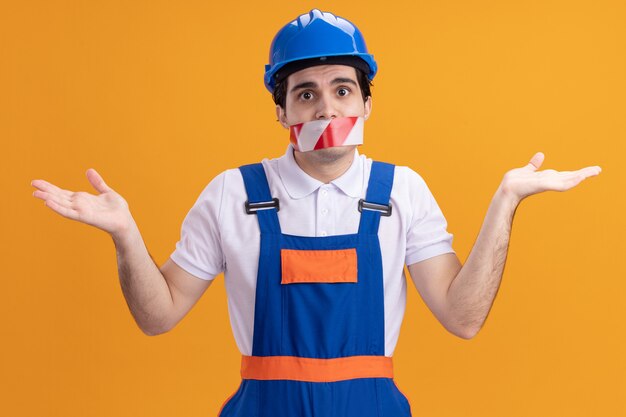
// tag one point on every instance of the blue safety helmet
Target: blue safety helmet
(318, 38)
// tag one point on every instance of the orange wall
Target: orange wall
(162, 96)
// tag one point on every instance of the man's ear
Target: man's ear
(281, 116)
(368, 108)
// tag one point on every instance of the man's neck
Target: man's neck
(325, 165)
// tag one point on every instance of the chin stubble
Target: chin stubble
(330, 155)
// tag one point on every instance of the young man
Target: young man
(313, 243)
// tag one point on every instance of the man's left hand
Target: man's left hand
(520, 183)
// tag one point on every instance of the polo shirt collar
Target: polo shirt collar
(299, 184)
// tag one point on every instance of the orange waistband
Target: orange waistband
(315, 370)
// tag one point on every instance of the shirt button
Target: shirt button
(324, 211)
(324, 192)
(323, 234)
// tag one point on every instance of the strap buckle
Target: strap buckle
(252, 208)
(385, 210)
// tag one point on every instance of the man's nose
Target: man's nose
(326, 109)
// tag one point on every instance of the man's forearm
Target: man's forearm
(473, 290)
(145, 289)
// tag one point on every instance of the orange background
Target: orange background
(162, 96)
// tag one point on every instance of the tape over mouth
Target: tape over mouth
(327, 133)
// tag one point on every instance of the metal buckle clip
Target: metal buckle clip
(385, 210)
(252, 208)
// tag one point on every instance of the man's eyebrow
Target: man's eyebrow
(340, 80)
(306, 84)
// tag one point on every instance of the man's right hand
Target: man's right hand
(157, 299)
(107, 211)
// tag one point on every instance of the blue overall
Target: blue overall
(319, 320)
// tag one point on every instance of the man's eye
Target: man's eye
(306, 95)
(343, 92)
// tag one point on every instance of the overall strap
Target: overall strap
(260, 200)
(376, 201)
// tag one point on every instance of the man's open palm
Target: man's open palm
(107, 211)
(526, 181)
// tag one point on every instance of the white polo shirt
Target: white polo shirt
(218, 236)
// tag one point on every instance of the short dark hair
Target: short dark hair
(280, 91)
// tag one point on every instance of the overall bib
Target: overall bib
(318, 346)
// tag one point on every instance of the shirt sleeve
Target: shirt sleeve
(427, 235)
(199, 250)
